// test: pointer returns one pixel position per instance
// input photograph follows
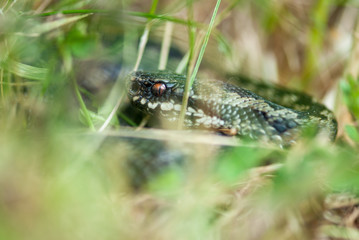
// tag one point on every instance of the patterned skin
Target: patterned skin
(272, 114)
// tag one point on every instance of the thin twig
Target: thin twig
(110, 116)
(183, 63)
(2, 84)
(143, 123)
(352, 66)
(144, 37)
(42, 6)
(142, 45)
(166, 44)
(195, 137)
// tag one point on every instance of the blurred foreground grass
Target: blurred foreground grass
(56, 183)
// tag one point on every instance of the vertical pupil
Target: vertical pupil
(158, 89)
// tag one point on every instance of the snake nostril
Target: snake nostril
(135, 87)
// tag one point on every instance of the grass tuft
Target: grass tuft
(62, 71)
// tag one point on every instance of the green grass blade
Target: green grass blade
(144, 37)
(85, 112)
(164, 18)
(190, 80)
(49, 26)
(27, 71)
(74, 11)
(205, 42)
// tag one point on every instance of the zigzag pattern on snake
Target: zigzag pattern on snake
(272, 114)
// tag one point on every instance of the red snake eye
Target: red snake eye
(158, 89)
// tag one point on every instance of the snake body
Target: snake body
(274, 114)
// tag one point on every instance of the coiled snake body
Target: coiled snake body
(274, 114)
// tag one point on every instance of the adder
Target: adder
(273, 113)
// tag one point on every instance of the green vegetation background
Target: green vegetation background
(56, 184)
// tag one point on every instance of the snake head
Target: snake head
(156, 92)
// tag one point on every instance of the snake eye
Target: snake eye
(158, 89)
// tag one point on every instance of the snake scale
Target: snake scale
(273, 113)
